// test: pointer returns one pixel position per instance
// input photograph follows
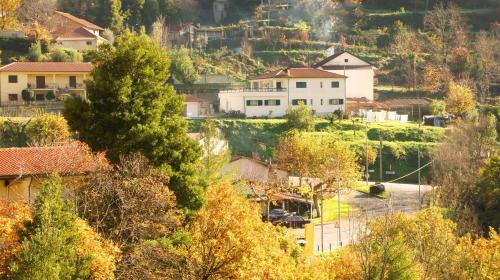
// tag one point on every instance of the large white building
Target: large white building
(270, 94)
(359, 73)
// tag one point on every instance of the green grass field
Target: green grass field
(330, 210)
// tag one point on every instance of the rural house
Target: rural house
(22, 170)
(48, 80)
(270, 94)
(360, 74)
(69, 31)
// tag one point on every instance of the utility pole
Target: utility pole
(381, 147)
(366, 156)
(322, 218)
(418, 160)
(338, 204)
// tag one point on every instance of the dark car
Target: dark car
(293, 221)
(275, 215)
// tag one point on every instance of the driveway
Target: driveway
(404, 198)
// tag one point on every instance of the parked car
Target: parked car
(292, 221)
(275, 215)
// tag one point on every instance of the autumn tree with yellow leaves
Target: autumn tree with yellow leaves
(8, 17)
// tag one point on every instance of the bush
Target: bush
(51, 95)
(235, 115)
(300, 118)
(47, 129)
(28, 95)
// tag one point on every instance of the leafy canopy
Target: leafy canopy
(130, 108)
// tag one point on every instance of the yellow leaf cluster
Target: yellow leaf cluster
(9, 9)
(459, 100)
(230, 240)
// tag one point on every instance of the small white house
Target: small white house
(192, 106)
(270, 94)
(359, 72)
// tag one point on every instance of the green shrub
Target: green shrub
(299, 118)
(28, 95)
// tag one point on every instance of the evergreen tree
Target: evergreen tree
(183, 66)
(150, 13)
(49, 243)
(130, 108)
(109, 14)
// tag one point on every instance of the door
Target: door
(72, 81)
(40, 81)
(278, 85)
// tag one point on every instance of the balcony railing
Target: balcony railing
(253, 90)
(45, 86)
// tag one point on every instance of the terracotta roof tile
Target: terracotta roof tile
(298, 73)
(46, 67)
(72, 158)
(191, 98)
(80, 21)
(79, 32)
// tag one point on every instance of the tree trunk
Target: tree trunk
(316, 205)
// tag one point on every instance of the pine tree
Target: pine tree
(49, 243)
(130, 108)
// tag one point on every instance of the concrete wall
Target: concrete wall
(80, 45)
(317, 95)
(192, 109)
(359, 82)
(27, 188)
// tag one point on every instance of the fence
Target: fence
(28, 111)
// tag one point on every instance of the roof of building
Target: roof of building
(192, 98)
(80, 32)
(401, 102)
(346, 67)
(80, 21)
(332, 57)
(47, 67)
(70, 158)
(297, 73)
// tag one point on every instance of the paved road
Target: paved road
(404, 198)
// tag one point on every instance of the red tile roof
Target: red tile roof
(78, 33)
(191, 98)
(298, 73)
(46, 67)
(71, 158)
(80, 21)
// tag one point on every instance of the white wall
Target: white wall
(359, 80)
(192, 109)
(319, 91)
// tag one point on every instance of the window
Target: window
(89, 43)
(346, 60)
(72, 81)
(278, 85)
(311, 101)
(272, 102)
(301, 85)
(335, 84)
(298, 101)
(12, 79)
(336, 101)
(13, 97)
(321, 102)
(321, 84)
(255, 85)
(254, 102)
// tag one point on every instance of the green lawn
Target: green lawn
(330, 210)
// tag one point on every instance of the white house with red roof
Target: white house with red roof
(360, 74)
(270, 94)
(69, 31)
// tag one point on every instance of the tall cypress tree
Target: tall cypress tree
(49, 242)
(130, 108)
(109, 14)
